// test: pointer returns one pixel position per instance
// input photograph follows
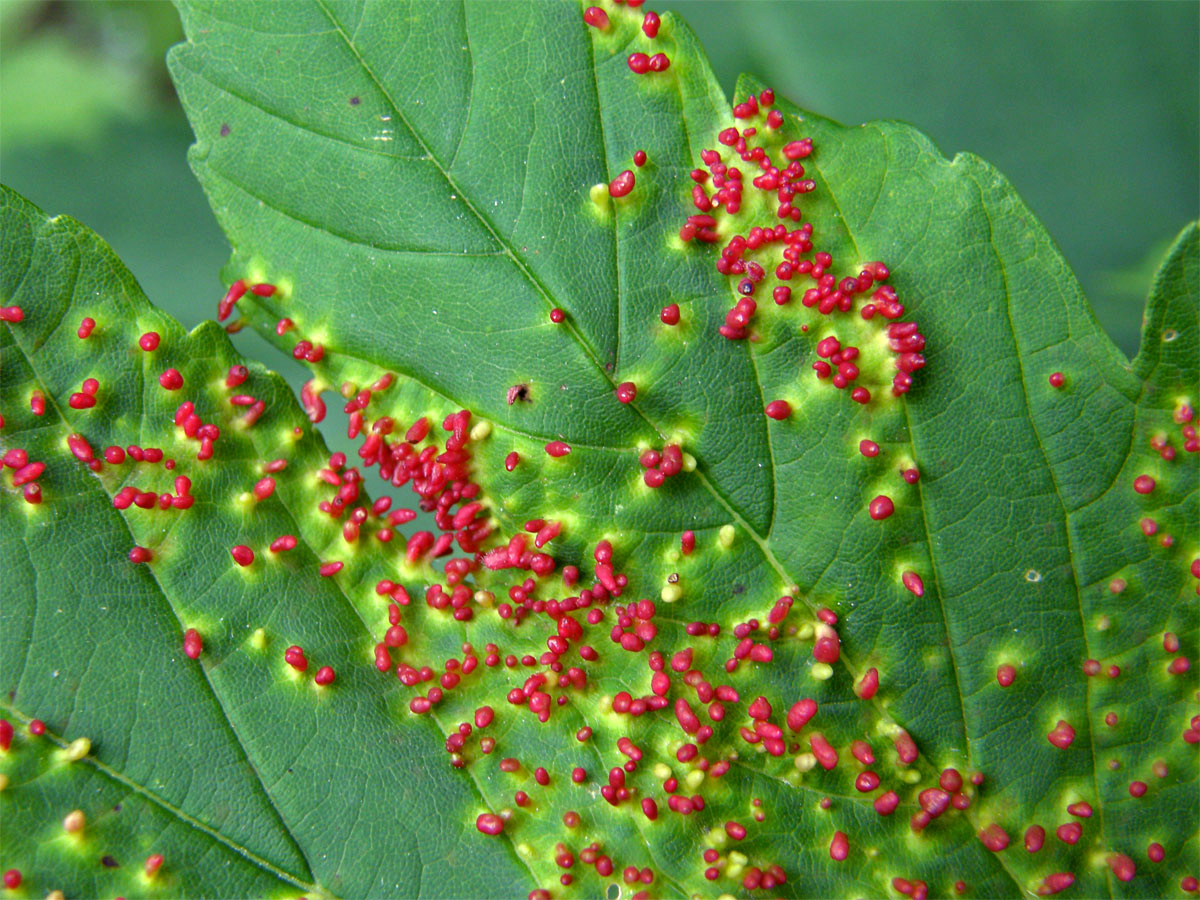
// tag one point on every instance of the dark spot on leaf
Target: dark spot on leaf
(739, 588)
(354, 101)
(518, 392)
(225, 129)
(673, 578)
(109, 863)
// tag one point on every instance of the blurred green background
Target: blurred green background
(1091, 109)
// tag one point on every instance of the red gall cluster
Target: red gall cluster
(85, 397)
(779, 254)
(25, 473)
(303, 350)
(1184, 416)
(236, 291)
(840, 369)
(659, 466)
(639, 63)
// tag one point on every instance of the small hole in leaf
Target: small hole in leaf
(1033, 576)
(1169, 335)
(613, 892)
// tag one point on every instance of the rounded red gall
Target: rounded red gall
(623, 183)
(866, 782)
(881, 507)
(557, 315)
(670, 314)
(325, 675)
(800, 713)
(596, 17)
(626, 391)
(869, 449)
(171, 380)
(1069, 832)
(778, 409)
(1062, 735)
(913, 583)
(149, 341)
(639, 63)
(866, 687)
(193, 644)
(489, 824)
(37, 727)
(1035, 837)
(639, 156)
(283, 543)
(1143, 484)
(1006, 675)
(839, 847)
(885, 804)
(1056, 379)
(12, 878)
(558, 449)
(294, 657)
(242, 555)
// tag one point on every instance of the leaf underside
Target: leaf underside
(416, 185)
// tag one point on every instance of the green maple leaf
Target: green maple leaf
(417, 182)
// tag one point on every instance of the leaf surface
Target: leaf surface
(417, 182)
(236, 769)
